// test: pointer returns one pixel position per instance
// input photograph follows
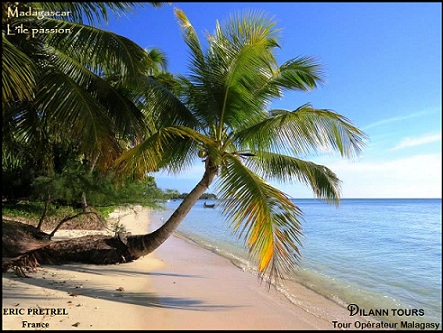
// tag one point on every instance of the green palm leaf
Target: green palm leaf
(264, 216)
(191, 39)
(64, 99)
(183, 146)
(156, 61)
(302, 73)
(101, 51)
(324, 183)
(303, 131)
(125, 116)
(164, 106)
(18, 80)
(171, 148)
(242, 57)
(200, 91)
(143, 158)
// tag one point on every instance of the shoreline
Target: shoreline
(180, 285)
(237, 263)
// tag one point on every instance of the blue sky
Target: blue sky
(382, 68)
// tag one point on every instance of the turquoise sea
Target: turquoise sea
(377, 253)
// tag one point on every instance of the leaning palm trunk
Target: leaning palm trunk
(140, 245)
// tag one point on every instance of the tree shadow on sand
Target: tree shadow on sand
(86, 288)
(119, 270)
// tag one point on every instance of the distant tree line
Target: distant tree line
(171, 194)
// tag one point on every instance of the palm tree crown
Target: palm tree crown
(220, 113)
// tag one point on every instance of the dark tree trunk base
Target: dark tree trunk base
(19, 238)
(96, 249)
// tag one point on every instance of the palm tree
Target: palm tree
(71, 88)
(220, 114)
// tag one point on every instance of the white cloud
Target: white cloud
(394, 119)
(417, 141)
(416, 176)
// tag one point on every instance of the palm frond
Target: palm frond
(142, 159)
(301, 73)
(73, 109)
(171, 148)
(200, 91)
(192, 134)
(127, 118)
(18, 74)
(324, 183)
(191, 39)
(202, 97)
(246, 73)
(265, 217)
(240, 58)
(182, 149)
(164, 106)
(304, 131)
(101, 51)
(219, 89)
(21, 122)
(156, 60)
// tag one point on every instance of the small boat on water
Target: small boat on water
(206, 205)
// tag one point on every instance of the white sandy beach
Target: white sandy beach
(180, 286)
